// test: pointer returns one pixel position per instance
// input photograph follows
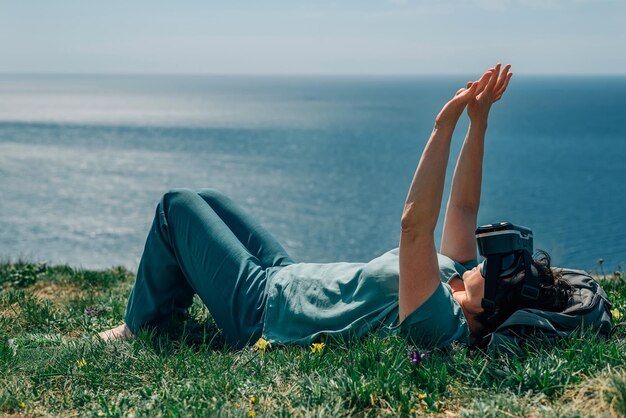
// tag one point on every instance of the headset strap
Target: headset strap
(491, 282)
(530, 289)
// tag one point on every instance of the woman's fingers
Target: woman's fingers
(503, 77)
(470, 91)
(474, 88)
(502, 89)
(481, 84)
(494, 78)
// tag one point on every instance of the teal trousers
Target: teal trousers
(204, 243)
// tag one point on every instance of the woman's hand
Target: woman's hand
(449, 115)
(478, 106)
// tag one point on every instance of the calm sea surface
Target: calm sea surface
(323, 162)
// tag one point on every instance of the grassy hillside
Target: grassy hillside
(50, 365)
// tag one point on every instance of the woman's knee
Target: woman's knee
(212, 195)
(178, 197)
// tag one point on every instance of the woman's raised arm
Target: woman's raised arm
(419, 270)
(458, 240)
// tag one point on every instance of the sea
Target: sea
(323, 162)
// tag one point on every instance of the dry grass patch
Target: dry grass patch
(601, 396)
(11, 311)
(55, 292)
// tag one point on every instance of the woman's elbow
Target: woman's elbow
(414, 223)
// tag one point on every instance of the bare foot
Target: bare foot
(114, 334)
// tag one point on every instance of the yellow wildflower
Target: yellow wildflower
(617, 315)
(413, 411)
(252, 400)
(262, 345)
(421, 396)
(81, 363)
(251, 413)
(317, 347)
(23, 405)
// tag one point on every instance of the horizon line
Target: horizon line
(300, 74)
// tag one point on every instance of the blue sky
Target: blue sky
(313, 37)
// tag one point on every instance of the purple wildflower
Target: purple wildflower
(416, 358)
(92, 311)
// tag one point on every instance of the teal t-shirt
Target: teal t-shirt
(308, 300)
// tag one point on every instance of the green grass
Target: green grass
(50, 365)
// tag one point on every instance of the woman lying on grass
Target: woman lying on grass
(202, 242)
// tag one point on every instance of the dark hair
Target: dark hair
(554, 294)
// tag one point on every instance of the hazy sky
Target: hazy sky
(278, 37)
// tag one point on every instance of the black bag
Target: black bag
(588, 308)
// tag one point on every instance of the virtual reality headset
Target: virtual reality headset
(507, 250)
